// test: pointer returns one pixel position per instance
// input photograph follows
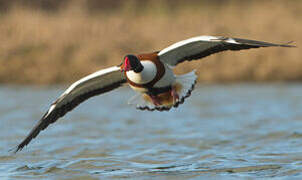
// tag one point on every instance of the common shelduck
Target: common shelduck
(151, 75)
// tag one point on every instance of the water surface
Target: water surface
(221, 131)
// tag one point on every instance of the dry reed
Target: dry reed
(46, 48)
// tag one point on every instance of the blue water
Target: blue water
(221, 131)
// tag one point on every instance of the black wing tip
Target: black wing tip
(288, 44)
(257, 43)
(266, 44)
(16, 149)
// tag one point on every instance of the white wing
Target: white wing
(94, 84)
(202, 46)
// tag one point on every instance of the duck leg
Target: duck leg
(155, 100)
(174, 94)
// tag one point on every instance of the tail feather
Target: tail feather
(184, 85)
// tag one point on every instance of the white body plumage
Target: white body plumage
(148, 74)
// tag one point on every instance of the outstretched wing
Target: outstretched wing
(202, 46)
(94, 84)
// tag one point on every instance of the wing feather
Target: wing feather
(203, 46)
(94, 84)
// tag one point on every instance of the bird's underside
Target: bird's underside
(166, 98)
(178, 88)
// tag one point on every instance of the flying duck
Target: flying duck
(151, 75)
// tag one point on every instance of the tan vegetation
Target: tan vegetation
(46, 47)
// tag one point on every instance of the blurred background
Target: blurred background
(59, 41)
(236, 125)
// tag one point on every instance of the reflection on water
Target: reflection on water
(221, 131)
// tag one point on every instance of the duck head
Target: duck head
(131, 62)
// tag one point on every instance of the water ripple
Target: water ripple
(235, 131)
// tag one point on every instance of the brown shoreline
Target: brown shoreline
(40, 47)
